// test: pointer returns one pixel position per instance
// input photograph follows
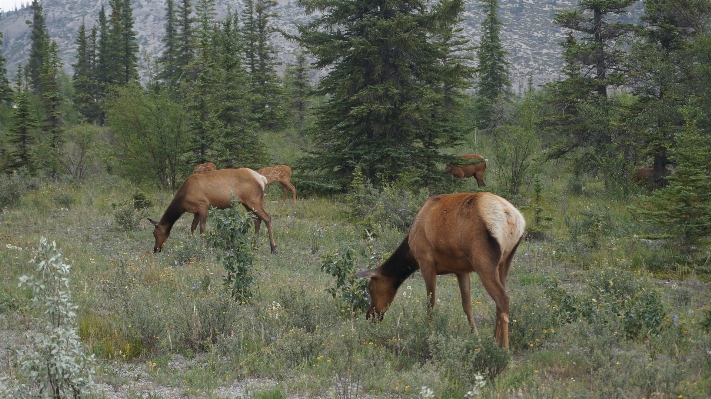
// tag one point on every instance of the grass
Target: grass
(168, 318)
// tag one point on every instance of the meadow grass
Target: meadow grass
(169, 317)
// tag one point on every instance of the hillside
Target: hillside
(528, 35)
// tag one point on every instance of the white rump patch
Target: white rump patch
(503, 220)
(261, 179)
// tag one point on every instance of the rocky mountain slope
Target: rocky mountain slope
(528, 34)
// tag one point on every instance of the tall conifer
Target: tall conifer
(493, 83)
(384, 113)
(21, 137)
(5, 89)
(168, 60)
(39, 38)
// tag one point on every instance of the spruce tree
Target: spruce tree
(84, 98)
(665, 42)
(122, 44)
(260, 56)
(39, 38)
(21, 137)
(185, 36)
(168, 60)
(493, 83)
(384, 112)
(298, 85)
(5, 89)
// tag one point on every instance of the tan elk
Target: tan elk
(204, 167)
(281, 174)
(475, 169)
(202, 190)
(454, 234)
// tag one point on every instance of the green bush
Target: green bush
(350, 289)
(13, 186)
(612, 293)
(234, 243)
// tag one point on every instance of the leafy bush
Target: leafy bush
(352, 290)
(54, 361)
(392, 205)
(13, 186)
(234, 243)
(462, 358)
(609, 292)
(129, 214)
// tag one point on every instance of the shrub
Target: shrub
(610, 292)
(352, 290)
(129, 214)
(54, 361)
(13, 186)
(234, 244)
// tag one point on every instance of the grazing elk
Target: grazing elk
(459, 234)
(217, 188)
(204, 167)
(281, 174)
(475, 169)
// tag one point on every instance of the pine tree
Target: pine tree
(185, 36)
(39, 38)
(84, 96)
(21, 137)
(666, 37)
(384, 112)
(5, 89)
(494, 83)
(260, 55)
(103, 53)
(683, 208)
(122, 45)
(297, 81)
(168, 61)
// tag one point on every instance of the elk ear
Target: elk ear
(153, 222)
(367, 273)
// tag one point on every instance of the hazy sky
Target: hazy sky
(9, 5)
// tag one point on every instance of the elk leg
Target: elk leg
(465, 290)
(490, 279)
(193, 226)
(430, 277)
(264, 216)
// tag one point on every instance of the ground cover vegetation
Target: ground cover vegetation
(609, 291)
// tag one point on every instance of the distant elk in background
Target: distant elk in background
(470, 169)
(648, 178)
(281, 174)
(204, 167)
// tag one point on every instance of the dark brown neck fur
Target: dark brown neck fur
(400, 265)
(174, 212)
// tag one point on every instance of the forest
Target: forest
(608, 164)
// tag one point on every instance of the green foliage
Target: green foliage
(234, 243)
(350, 289)
(83, 151)
(151, 136)
(683, 208)
(541, 223)
(129, 214)
(463, 358)
(54, 361)
(612, 296)
(392, 205)
(13, 186)
(273, 393)
(393, 90)
(591, 227)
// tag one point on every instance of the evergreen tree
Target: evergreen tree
(83, 78)
(122, 45)
(296, 79)
(683, 208)
(260, 55)
(21, 137)
(168, 61)
(185, 36)
(5, 89)
(493, 71)
(385, 109)
(579, 112)
(240, 144)
(660, 74)
(39, 38)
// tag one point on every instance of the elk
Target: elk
(281, 174)
(204, 167)
(202, 190)
(454, 234)
(648, 178)
(470, 169)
